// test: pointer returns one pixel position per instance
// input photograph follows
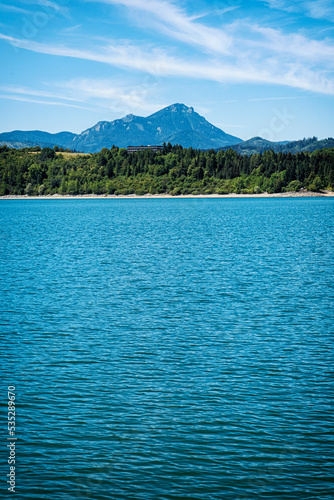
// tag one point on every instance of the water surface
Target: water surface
(169, 349)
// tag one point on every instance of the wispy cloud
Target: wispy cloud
(97, 94)
(126, 96)
(38, 101)
(178, 25)
(321, 9)
(55, 7)
(13, 8)
(157, 62)
(295, 44)
(71, 29)
(215, 12)
(39, 93)
(316, 9)
(283, 5)
(49, 7)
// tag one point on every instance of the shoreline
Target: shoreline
(290, 194)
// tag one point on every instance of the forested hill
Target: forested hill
(259, 145)
(174, 170)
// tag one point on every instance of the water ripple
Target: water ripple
(170, 349)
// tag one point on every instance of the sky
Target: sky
(251, 68)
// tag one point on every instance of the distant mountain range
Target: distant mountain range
(177, 124)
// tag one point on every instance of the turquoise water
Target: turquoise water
(169, 349)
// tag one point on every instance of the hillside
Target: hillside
(174, 170)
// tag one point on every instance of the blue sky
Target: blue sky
(250, 67)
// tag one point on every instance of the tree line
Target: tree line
(174, 170)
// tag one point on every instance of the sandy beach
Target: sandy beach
(291, 194)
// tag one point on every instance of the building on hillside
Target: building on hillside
(134, 149)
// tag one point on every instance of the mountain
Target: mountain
(21, 139)
(258, 145)
(177, 124)
(253, 145)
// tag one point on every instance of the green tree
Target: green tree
(35, 173)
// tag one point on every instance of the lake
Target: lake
(169, 349)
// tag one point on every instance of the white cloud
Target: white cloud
(49, 7)
(100, 94)
(71, 29)
(316, 9)
(39, 93)
(295, 44)
(178, 25)
(321, 9)
(39, 101)
(12, 8)
(158, 63)
(215, 12)
(281, 5)
(129, 97)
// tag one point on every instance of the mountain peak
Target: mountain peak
(177, 107)
(128, 118)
